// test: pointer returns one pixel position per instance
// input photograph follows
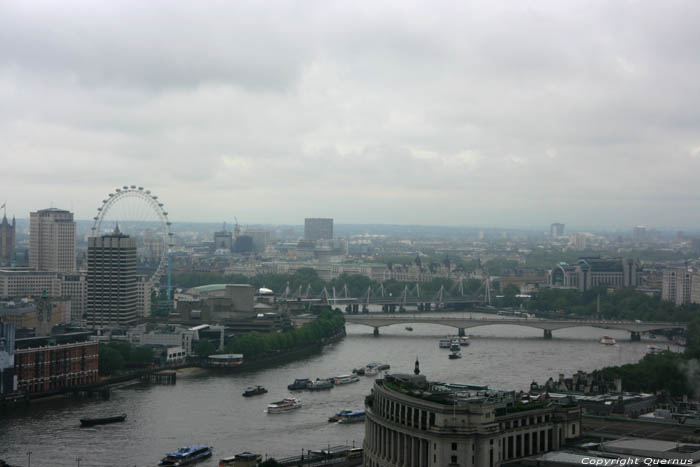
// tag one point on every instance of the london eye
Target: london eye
(140, 214)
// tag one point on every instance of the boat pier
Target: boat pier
(333, 456)
(161, 377)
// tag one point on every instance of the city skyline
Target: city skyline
(436, 114)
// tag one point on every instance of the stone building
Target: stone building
(411, 422)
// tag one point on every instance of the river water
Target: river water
(207, 408)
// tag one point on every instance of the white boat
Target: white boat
(607, 340)
(445, 343)
(371, 371)
(455, 347)
(346, 379)
(285, 405)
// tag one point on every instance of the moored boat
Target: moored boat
(254, 391)
(285, 405)
(455, 355)
(653, 349)
(243, 459)
(454, 346)
(409, 328)
(607, 340)
(346, 379)
(301, 383)
(371, 371)
(321, 384)
(187, 455)
(102, 420)
(445, 343)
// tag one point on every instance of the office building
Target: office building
(556, 230)
(52, 240)
(7, 241)
(260, 238)
(413, 422)
(74, 286)
(23, 282)
(143, 297)
(594, 271)
(223, 240)
(112, 280)
(8, 380)
(677, 286)
(318, 229)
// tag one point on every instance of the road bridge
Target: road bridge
(378, 320)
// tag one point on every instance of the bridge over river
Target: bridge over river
(378, 320)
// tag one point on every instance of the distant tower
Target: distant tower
(416, 369)
(112, 281)
(556, 230)
(7, 240)
(223, 239)
(52, 240)
(318, 229)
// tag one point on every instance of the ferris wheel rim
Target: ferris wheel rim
(153, 202)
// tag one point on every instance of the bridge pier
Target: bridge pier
(376, 332)
(547, 333)
(635, 336)
(461, 332)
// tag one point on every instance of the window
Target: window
(454, 459)
(454, 446)
(573, 429)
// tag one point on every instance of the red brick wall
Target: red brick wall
(52, 368)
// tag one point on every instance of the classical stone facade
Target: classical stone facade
(411, 422)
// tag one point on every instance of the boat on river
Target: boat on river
(607, 340)
(352, 416)
(102, 420)
(455, 355)
(285, 405)
(339, 415)
(321, 384)
(445, 343)
(243, 459)
(254, 391)
(301, 383)
(187, 455)
(345, 379)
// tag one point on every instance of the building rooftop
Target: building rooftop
(447, 393)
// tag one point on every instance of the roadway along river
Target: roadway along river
(206, 407)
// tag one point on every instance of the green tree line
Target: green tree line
(255, 345)
(623, 304)
(115, 356)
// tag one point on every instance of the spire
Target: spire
(416, 370)
(116, 229)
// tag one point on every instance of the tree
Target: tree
(204, 348)
(109, 360)
(142, 355)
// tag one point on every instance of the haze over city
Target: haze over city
(482, 114)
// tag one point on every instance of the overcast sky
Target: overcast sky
(512, 113)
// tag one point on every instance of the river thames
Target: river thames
(207, 408)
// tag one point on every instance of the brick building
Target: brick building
(42, 368)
